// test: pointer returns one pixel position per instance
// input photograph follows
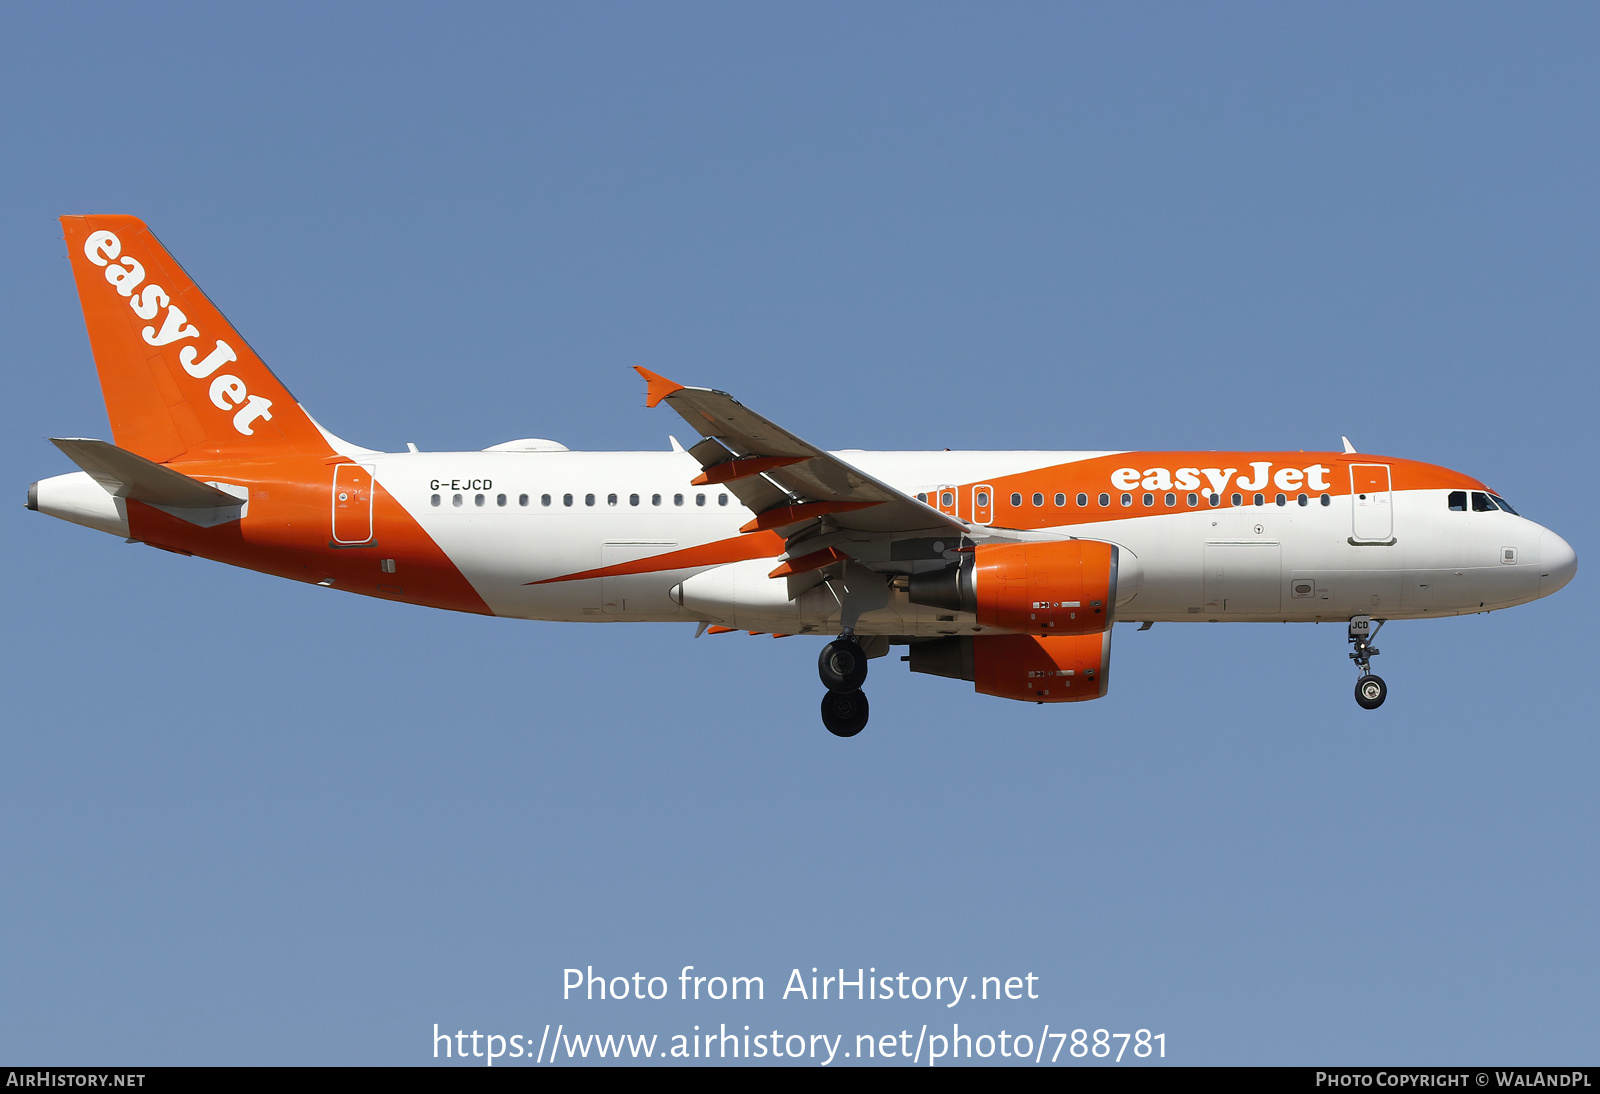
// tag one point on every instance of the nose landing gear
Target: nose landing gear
(1371, 691)
(843, 668)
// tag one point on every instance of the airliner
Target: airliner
(1003, 569)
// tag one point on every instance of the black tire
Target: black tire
(845, 712)
(842, 666)
(1371, 691)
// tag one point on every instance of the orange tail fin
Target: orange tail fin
(178, 381)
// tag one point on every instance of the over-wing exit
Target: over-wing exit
(1005, 569)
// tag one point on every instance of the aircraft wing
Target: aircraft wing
(786, 481)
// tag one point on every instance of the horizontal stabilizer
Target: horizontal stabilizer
(125, 475)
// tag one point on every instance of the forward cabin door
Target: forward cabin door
(1372, 502)
(352, 503)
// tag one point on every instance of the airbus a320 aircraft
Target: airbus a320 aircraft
(1006, 569)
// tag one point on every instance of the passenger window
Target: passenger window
(699, 499)
(1193, 500)
(611, 499)
(655, 499)
(1458, 501)
(1083, 501)
(566, 499)
(544, 499)
(436, 500)
(922, 498)
(522, 499)
(1149, 500)
(1215, 499)
(633, 499)
(1171, 500)
(722, 499)
(455, 500)
(478, 501)
(500, 500)
(677, 499)
(1061, 499)
(1016, 499)
(1302, 499)
(1501, 502)
(1326, 500)
(1238, 499)
(1105, 500)
(1127, 499)
(1038, 500)
(1481, 502)
(1260, 500)
(983, 499)
(588, 499)
(1281, 500)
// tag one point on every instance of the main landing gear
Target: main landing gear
(1370, 690)
(843, 668)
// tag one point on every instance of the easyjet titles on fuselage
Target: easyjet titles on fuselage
(1313, 477)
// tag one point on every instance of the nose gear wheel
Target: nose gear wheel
(1371, 691)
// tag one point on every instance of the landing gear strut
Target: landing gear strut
(843, 668)
(1370, 690)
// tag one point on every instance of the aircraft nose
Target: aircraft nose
(1557, 562)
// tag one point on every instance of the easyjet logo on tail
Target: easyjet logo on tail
(1314, 477)
(126, 275)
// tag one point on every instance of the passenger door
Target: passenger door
(1372, 505)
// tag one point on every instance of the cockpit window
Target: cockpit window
(1501, 502)
(1458, 501)
(1481, 502)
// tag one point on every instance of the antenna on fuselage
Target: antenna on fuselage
(1350, 449)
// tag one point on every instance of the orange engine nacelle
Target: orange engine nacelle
(1050, 669)
(1054, 588)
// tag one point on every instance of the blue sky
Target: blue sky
(246, 821)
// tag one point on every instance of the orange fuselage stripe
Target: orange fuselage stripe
(1094, 477)
(288, 534)
(716, 553)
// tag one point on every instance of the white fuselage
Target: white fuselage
(1264, 563)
